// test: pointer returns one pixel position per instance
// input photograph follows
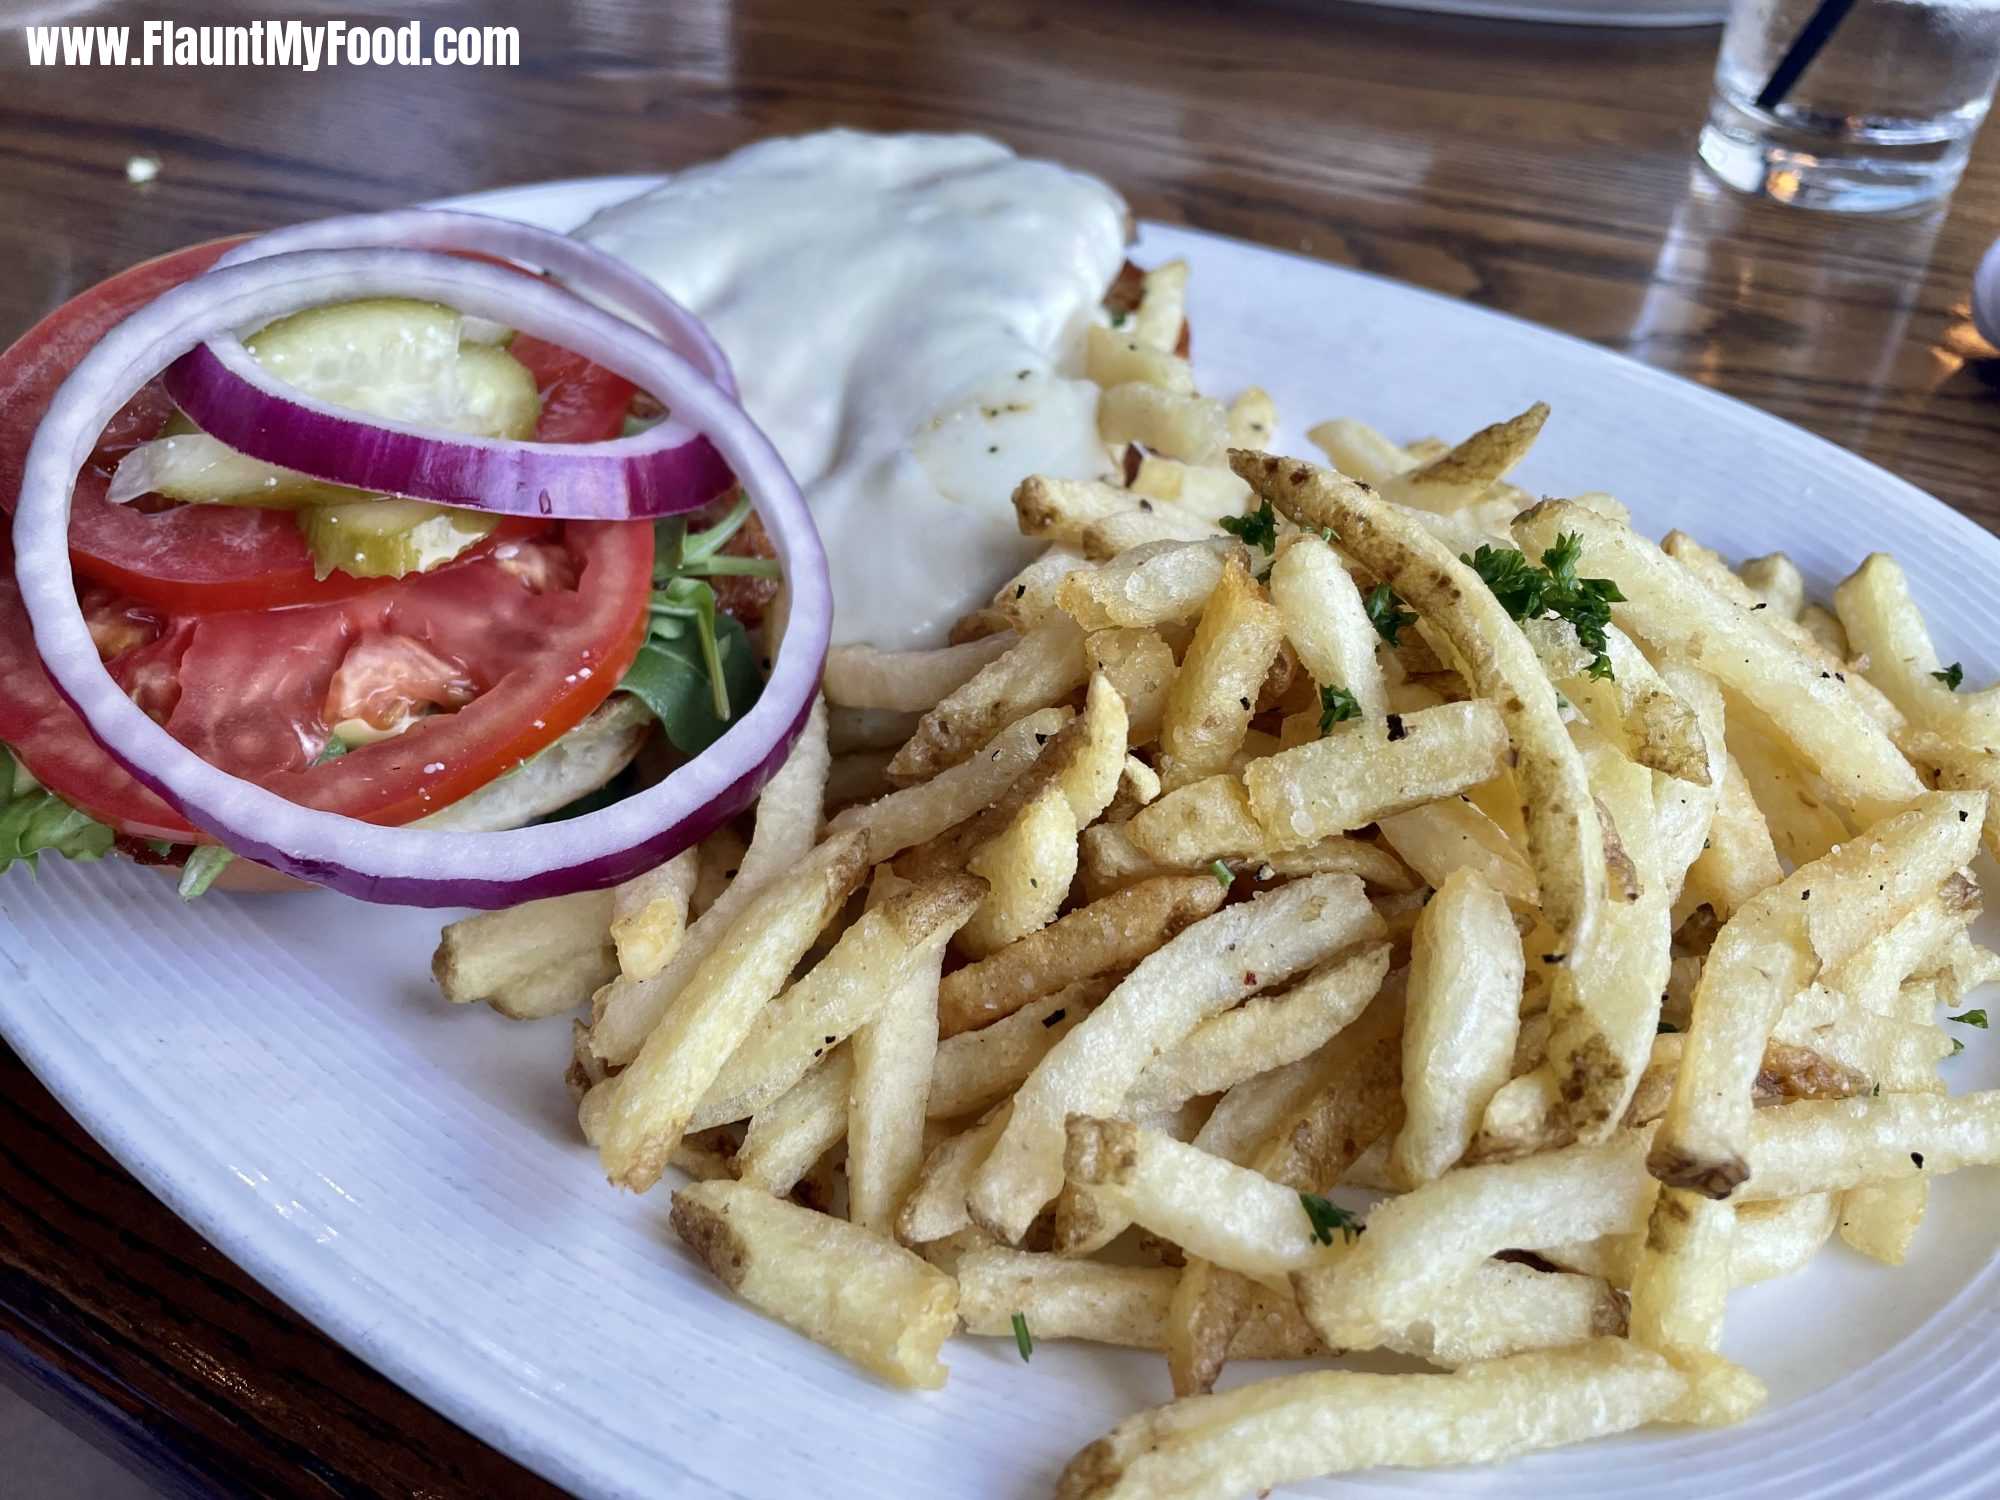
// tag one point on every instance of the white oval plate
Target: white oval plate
(408, 1176)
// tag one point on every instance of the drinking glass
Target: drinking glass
(1859, 105)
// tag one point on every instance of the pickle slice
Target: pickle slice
(388, 538)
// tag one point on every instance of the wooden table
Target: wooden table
(1542, 170)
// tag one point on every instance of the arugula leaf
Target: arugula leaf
(696, 671)
(1951, 676)
(1528, 592)
(34, 819)
(203, 864)
(1258, 529)
(1336, 706)
(1325, 1217)
(1386, 613)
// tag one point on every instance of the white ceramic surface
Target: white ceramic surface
(408, 1176)
(1651, 14)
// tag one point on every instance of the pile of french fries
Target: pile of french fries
(1255, 943)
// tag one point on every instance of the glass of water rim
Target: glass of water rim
(1882, 115)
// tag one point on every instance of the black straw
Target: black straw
(1805, 47)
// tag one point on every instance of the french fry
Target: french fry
(1953, 765)
(849, 730)
(787, 1136)
(1822, 1146)
(1107, 936)
(649, 914)
(1680, 1281)
(1265, 1033)
(1253, 418)
(1112, 358)
(540, 959)
(1040, 670)
(1196, 823)
(1335, 1421)
(1362, 770)
(1740, 858)
(1819, 916)
(1212, 697)
(976, 1069)
(1324, 619)
(1794, 801)
(1565, 843)
(1824, 626)
(1139, 665)
(1360, 451)
(936, 1208)
(1675, 609)
(1441, 838)
(888, 947)
(1208, 967)
(1209, 493)
(909, 681)
(1194, 429)
(1776, 581)
(1029, 598)
(1028, 868)
(1157, 583)
(1773, 1239)
(1463, 476)
(1885, 628)
(1881, 1219)
(1161, 316)
(1147, 521)
(719, 860)
(626, 1011)
(1463, 1012)
(652, 1101)
(889, 1097)
(919, 813)
(1635, 705)
(855, 1292)
(1138, 786)
(1061, 510)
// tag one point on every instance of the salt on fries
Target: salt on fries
(1287, 836)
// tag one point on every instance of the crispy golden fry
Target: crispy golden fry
(1363, 770)
(1795, 802)
(788, 814)
(1139, 665)
(1462, 1015)
(1138, 787)
(1824, 626)
(1887, 633)
(1956, 766)
(649, 914)
(1158, 583)
(1821, 1146)
(1112, 358)
(1208, 967)
(1770, 950)
(1635, 705)
(1897, 1056)
(652, 1101)
(1676, 610)
(1041, 669)
(1253, 418)
(889, 1096)
(1680, 1281)
(1463, 476)
(1264, 1033)
(1196, 823)
(909, 681)
(976, 1069)
(528, 962)
(1565, 844)
(1194, 429)
(855, 1292)
(1444, 837)
(1028, 598)
(1061, 510)
(1881, 1219)
(856, 729)
(919, 813)
(1107, 936)
(1773, 1239)
(1740, 858)
(1211, 699)
(793, 1132)
(1147, 522)
(1776, 581)
(1336, 1421)
(936, 1208)
(1062, 1298)
(1360, 451)
(843, 992)
(1028, 867)
(1161, 315)
(1324, 619)
(1356, 1099)
(721, 860)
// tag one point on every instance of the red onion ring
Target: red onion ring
(411, 866)
(666, 470)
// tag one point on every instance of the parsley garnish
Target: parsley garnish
(1336, 706)
(34, 819)
(1023, 1340)
(1326, 1217)
(1951, 676)
(696, 670)
(1222, 873)
(1528, 592)
(1386, 613)
(1956, 1046)
(1971, 1018)
(1258, 529)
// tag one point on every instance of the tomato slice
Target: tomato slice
(538, 625)
(208, 557)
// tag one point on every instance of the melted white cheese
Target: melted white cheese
(905, 316)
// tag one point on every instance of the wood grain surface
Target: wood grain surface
(1546, 171)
